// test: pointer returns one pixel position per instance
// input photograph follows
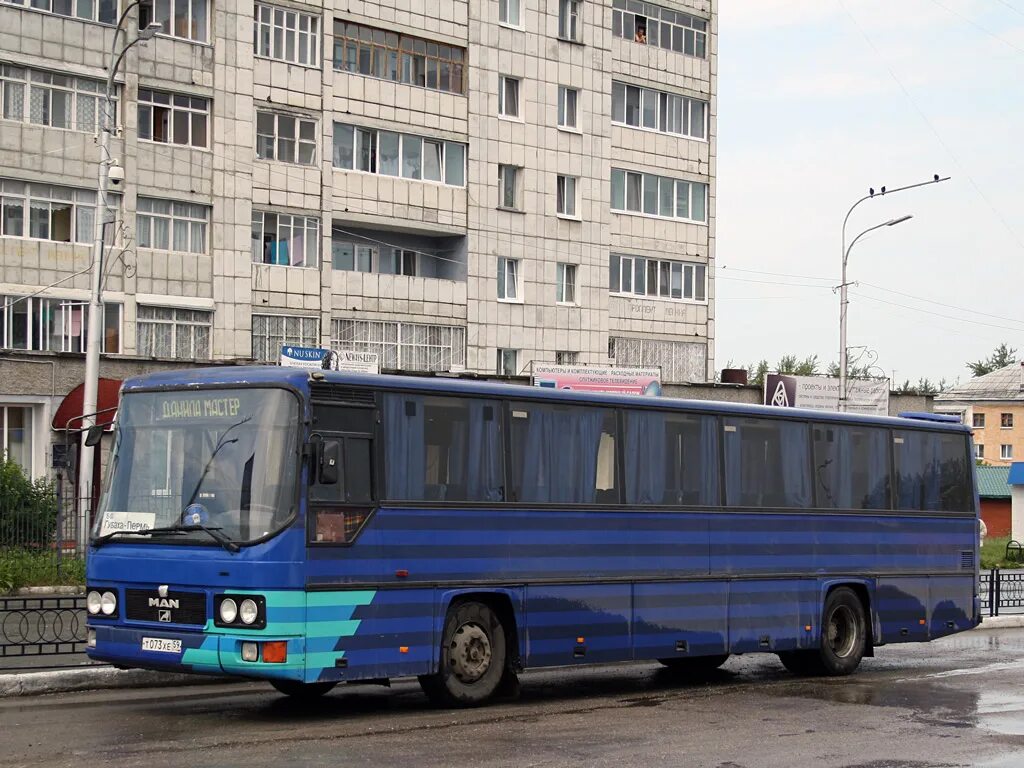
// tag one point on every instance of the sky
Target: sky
(820, 100)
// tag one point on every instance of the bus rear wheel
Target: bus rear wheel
(695, 665)
(301, 691)
(843, 639)
(472, 660)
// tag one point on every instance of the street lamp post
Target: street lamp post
(872, 195)
(94, 331)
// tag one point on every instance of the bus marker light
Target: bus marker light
(90, 638)
(921, 622)
(275, 652)
(403, 649)
(401, 573)
(580, 640)
(250, 652)
(807, 628)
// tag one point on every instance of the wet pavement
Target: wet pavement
(954, 702)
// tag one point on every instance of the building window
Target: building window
(568, 101)
(565, 198)
(651, 195)
(187, 19)
(272, 332)
(637, 276)
(508, 96)
(182, 334)
(979, 451)
(399, 154)
(654, 110)
(979, 420)
(48, 212)
(565, 283)
(1006, 420)
(352, 257)
(285, 138)
(570, 20)
(680, 361)
(401, 58)
(508, 280)
(54, 325)
(104, 11)
(510, 187)
(51, 99)
(403, 346)
(281, 238)
(16, 436)
(171, 118)
(509, 12)
(286, 35)
(168, 225)
(651, 24)
(567, 358)
(1006, 452)
(508, 362)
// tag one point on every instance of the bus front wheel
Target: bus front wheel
(843, 639)
(472, 660)
(301, 691)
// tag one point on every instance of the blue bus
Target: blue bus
(313, 527)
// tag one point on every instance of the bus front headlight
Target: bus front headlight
(108, 603)
(92, 603)
(228, 610)
(248, 611)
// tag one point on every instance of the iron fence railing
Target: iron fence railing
(1001, 591)
(45, 626)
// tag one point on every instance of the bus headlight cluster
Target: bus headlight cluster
(97, 602)
(243, 611)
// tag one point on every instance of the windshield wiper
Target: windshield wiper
(221, 442)
(178, 530)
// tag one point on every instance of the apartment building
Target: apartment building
(993, 405)
(457, 186)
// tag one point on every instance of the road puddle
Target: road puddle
(1002, 712)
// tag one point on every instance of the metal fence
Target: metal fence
(41, 631)
(1001, 592)
(41, 516)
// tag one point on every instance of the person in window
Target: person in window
(641, 33)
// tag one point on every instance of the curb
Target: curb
(97, 678)
(1001, 622)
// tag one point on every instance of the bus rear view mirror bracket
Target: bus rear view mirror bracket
(329, 461)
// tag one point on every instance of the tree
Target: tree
(28, 509)
(788, 364)
(1002, 356)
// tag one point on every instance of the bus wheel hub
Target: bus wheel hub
(470, 653)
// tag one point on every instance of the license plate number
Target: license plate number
(161, 645)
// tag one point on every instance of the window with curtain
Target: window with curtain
(851, 467)
(767, 463)
(671, 458)
(563, 455)
(443, 449)
(932, 473)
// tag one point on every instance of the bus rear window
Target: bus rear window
(932, 473)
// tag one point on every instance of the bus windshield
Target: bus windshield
(223, 459)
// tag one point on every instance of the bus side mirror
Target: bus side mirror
(329, 464)
(94, 435)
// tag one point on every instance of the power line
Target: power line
(978, 26)
(935, 314)
(772, 282)
(724, 268)
(941, 304)
(1011, 7)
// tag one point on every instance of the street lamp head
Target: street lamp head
(900, 220)
(150, 30)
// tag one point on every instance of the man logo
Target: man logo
(164, 616)
(163, 602)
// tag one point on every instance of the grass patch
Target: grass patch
(23, 568)
(993, 554)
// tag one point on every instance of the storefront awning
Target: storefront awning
(70, 411)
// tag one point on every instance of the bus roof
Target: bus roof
(299, 378)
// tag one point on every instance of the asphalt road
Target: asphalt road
(958, 701)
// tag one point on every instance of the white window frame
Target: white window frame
(505, 355)
(17, 85)
(163, 12)
(29, 430)
(565, 357)
(1004, 418)
(72, 7)
(504, 81)
(1006, 452)
(565, 283)
(35, 310)
(510, 13)
(691, 28)
(186, 326)
(308, 334)
(450, 154)
(509, 275)
(32, 197)
(286, 227)
(277, 140)
(979, 451)
(403, 346)
(567, 197)
(570, 20)
(272, 26)
(621, 93)
(517, 187)
(635, 277)
(183, 220)
(195, 108)
(564, 111)
(362, 255)
(690, 191)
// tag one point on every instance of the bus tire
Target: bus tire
(843, 639)
(301, 691)
(695, 665)
(472, 658)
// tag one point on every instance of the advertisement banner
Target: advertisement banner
(821, 393)
(355, 362)
(303, 357)
(584, 378)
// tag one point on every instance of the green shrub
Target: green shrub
(24, 568)
(28, 509)
(993, 554)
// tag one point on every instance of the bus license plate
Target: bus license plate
(161, 645)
